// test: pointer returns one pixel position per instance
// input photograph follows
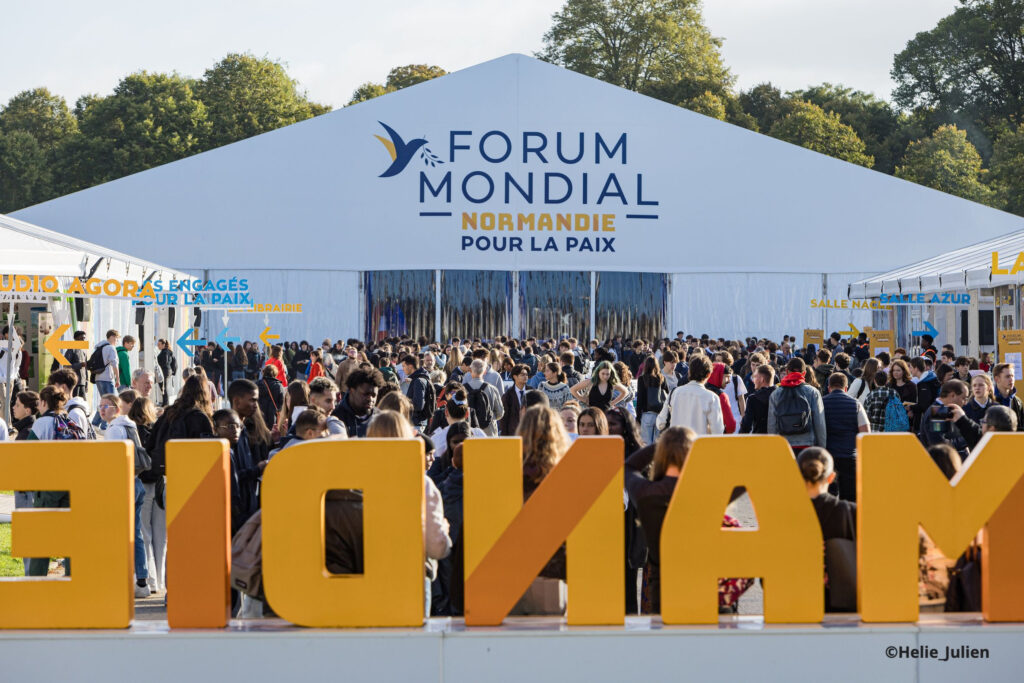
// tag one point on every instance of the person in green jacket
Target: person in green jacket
(124, 370)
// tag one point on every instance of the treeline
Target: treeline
(956, 122)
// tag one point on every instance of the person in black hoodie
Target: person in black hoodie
(838, 518)
(357, 405)
(24, 411)
(168, 367)
(927, 390)
(755, 418)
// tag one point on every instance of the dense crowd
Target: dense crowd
(659, 396)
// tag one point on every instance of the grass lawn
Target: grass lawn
(9, 566)
(9, 493)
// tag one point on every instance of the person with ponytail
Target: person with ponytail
(554, 386)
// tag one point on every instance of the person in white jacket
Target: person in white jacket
(692, 404)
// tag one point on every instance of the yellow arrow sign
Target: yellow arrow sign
(54, 344)
(265, 337)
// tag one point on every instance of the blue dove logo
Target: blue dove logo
(402, 152)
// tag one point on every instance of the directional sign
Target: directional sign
(265, 336)
(929, 329)
(223, 339)
(854, 331)
(184, 342)
(54, 344)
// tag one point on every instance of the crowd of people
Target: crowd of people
(660, 396)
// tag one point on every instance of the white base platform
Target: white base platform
(524, 649)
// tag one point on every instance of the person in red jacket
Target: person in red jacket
(276, 353)
(715, 383)
(316, 365)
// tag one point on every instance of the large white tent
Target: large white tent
(445, 176)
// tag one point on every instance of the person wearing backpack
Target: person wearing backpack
(420, 391)
(53, 425)
(67, 380)
(484, 400)
(103, 363)
(121, 428)
(844, 419)
(795, 410)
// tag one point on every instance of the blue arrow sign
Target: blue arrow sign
(929, 330)
(185, 341)
(222, 339)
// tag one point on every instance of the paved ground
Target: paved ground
(6, 506)
(752, 602)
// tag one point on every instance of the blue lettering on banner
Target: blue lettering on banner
(920, 299)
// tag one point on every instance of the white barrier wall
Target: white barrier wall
(534, 650)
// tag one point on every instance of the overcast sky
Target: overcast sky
(331, 47)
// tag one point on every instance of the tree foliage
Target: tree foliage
(706, 103)
(25, 177)
(874, 120)
(398, 78)
(948, 162)
(766, 104)
(246, 96)
(42, 115)
(1008, 171)
(808, 125)
(636, 44)
(971, 63)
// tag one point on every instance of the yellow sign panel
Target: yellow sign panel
(816, 337)
(881, 340)
(1011, 350)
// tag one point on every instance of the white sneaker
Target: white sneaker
(141, 591)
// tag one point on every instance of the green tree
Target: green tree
(149, 120)
(808, 125)
(24, 172)
(946, 161)
(766, 104)
(636, 44)
(398, 78)
(874, 120)
(246, 96)
(1008, 171)
(41, 114)
(971, 64)
(706, 103)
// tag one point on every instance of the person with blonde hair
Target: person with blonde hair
(388, 424)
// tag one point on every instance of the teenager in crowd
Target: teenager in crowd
(592, 422)
(837, 517)
(982, 397)
(513, 400)
(795, 410)
(652, 390)
(755, 418)
(554, 385)
(603, 390)
(693, 405)
(24, 411)
(715, 384)
(570, 414)
(651, 496)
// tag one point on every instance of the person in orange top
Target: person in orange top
(276, 354)
(316, 365)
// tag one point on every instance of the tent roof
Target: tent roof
(966, 268)
(312, 196)
(31, 250)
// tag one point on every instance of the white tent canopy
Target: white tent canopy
(961, 269)
(438, 175)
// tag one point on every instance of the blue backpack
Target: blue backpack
(896, 415)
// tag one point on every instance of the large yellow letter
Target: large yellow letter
(97, 532)
(198, 533)
(298, 586)
(786, 549)
(1002, 560)
(508, 543)
(899, 488)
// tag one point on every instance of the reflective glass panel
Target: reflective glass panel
(631, 305)
(554, 303)
(399, 302)
(474, 303)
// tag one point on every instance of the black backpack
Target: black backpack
(480, 405)
(96, 364)
(792, 412)
(429, 402)
(656, 396)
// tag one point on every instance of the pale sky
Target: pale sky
(75, 48)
